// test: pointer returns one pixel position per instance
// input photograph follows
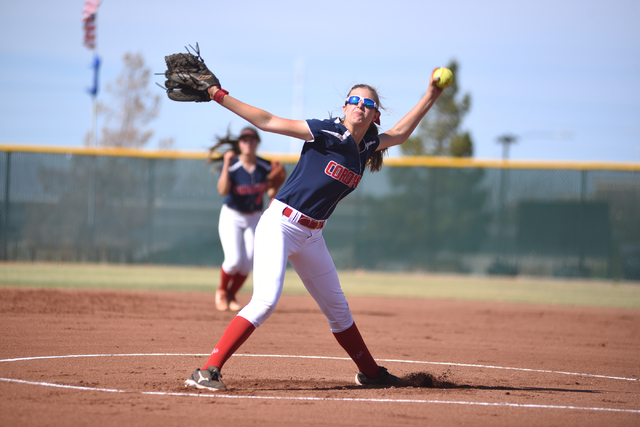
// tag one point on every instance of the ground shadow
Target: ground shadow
(413, 380)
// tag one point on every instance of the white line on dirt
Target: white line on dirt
(325, 399)
(544, 371)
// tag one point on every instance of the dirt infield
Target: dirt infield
(115, 358)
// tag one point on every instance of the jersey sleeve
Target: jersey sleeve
(317, 127)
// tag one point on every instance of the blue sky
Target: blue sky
(563, 75)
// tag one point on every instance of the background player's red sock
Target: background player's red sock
(351, 340)
(236, 284)
(233, 337)
(225, 279)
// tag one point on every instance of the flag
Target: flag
(89, 20)
(96, 64)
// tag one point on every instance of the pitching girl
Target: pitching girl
(331, 165)
(243, 183)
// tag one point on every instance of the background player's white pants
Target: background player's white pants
(237, 234)
(279, 238)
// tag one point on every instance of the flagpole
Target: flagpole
(89, 18)
(94, 101)
(94, 117)
(94, 95)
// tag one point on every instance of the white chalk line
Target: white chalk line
(469, 365)
(452, 364)
(323, 399)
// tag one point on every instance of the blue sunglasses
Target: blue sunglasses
(355, 100)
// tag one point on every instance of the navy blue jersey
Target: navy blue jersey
(330, 167)
(247, 189)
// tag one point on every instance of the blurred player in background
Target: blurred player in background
(243, 182)
(332, 162)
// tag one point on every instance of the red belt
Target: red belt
(307, 222)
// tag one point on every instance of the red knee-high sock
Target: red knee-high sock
(233, 337)
(351, 340)
(225, 279)
(238, 281)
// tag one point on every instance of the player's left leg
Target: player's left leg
(231, 231)
(273, 242)
(236, 285)
(245, 267)
(231, 226)
(222, 299)
(318, 274)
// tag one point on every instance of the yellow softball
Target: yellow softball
(446, 77)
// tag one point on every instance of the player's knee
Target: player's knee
(340, 323)
(231, 266)
(245, 268)
(257, 312)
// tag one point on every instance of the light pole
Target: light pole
(506, 140)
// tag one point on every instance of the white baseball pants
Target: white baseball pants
(278, 239)
(237, 234)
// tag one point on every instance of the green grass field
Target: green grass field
(146, 277)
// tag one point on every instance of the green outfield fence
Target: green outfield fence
(418, 214)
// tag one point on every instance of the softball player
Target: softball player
(331, 165)
(242, 182)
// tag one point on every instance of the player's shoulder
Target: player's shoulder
(235, 164)
(330, 123)
(328, 129)
(263, 163)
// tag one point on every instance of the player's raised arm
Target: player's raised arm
(405, 127)
(261, 119)
(189, 80)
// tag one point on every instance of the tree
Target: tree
(439, 132)
(431, 213)
(105, 204)
(131, 107)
